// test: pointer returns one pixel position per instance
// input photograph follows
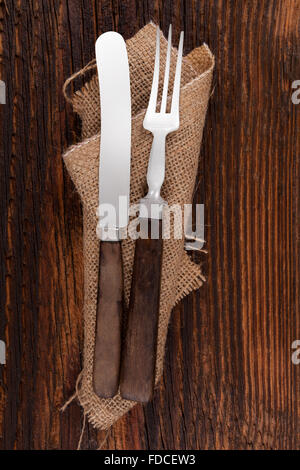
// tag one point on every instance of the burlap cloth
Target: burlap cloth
(179, 274)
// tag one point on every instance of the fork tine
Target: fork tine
(154, 89)
(167, 73)
(176, 89)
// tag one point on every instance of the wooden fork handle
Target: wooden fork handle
(108, 321)
(139, 353)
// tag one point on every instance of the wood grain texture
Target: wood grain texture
(107, 354)
(229, 382)
(139, 349)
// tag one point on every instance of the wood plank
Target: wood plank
(229, 382)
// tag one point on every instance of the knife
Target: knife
(114, 186)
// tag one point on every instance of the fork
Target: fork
(139, 352)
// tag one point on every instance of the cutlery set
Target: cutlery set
(129, 365)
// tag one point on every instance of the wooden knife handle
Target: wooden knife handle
(139, 353)
(108, 324)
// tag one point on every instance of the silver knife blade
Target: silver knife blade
(115, 142)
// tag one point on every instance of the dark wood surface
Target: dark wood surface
(229, 382)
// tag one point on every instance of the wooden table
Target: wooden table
(229, 381)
